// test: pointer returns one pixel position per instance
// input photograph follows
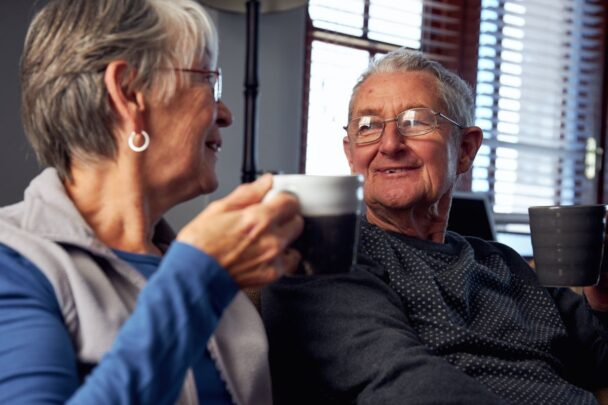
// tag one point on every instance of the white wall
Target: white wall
(281, 67)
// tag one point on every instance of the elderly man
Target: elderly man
(428, 316)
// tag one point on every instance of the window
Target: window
(333, 72)
(539, 105)
(536, 66)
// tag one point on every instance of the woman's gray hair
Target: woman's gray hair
(65, 108)
(455, 93)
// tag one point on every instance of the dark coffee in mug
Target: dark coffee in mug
(328, 243)
(331, 207)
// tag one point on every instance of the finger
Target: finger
(248, 194)
(268, 246)
(290, 230)
(280, 216)
(265, 250)
(289, 261)
(283, 206)
(262, 220)
(597, 295)
(258, 278)
(244, 241)
(285, 262)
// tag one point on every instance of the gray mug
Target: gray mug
(568, 243)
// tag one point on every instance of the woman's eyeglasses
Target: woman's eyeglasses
(213, 77)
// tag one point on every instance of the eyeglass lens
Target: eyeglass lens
(217, 86)
(412, 122)
(212, 77)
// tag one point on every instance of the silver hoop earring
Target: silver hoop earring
(141, 148)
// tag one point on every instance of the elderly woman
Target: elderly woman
(99, 301)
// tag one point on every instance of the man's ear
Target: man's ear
(348, 152)
(470, 142)
(128, 105)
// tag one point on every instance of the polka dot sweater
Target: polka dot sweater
(478, 306)
(415, 322)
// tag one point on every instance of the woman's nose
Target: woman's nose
(224, 115)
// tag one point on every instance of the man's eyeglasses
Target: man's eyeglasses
(413, 122)
(212, 77)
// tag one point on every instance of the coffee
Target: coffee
(331, 206)
(328, 243)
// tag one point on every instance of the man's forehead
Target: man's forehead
(396, 91)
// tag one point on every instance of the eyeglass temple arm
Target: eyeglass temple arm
(451, 120)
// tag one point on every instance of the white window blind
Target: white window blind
(538, 101)
(334, 70)
(342, 16)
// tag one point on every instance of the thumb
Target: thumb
(248, 194)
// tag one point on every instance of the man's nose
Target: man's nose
(391, 140)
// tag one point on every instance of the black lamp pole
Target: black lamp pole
(252, 7)
(249, 169)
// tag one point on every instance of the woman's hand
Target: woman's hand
(247, 237)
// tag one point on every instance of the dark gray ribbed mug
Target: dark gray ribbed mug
(568, 243)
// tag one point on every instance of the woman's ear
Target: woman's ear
(128, 105)
(470, 142)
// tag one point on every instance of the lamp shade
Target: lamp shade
(266, 6)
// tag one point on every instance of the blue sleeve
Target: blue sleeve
(37, 360)
(176, 313)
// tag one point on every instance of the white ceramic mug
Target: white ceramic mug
(331, 207)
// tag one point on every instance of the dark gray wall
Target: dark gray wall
(17, 161)
(281, 64)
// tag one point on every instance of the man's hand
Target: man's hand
(597, 295)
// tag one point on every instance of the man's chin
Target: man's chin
(393, 199)
(390, 204)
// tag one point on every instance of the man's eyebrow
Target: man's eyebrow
(376, 111)
(366, 111)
